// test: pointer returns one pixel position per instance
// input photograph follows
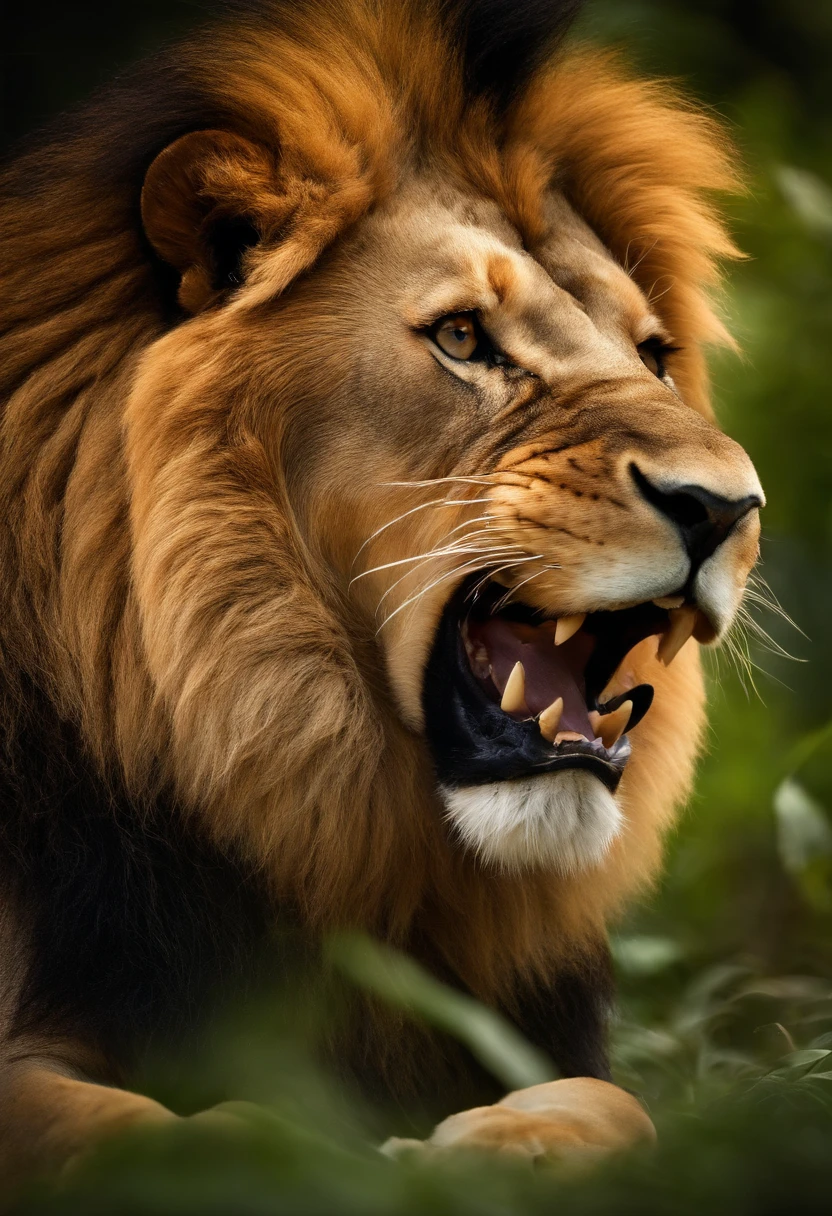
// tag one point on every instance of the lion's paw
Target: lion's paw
(577, 1120)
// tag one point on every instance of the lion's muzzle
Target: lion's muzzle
(516, 691)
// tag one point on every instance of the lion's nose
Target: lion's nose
(704, 519)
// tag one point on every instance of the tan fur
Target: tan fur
(185, 510)
(51, 1116)
(578, 1120)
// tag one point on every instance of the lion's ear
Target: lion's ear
(207, 199)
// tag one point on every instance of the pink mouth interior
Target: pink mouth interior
(495, 645)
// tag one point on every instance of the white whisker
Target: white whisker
(632, 269)
(479, 520)
(480, 480)
(764, 637)
(451, 574)
(415, 572)
(436, 502)
(501, 603)
(449, 551)
(759, 592)
(742, 663)
(489, 574)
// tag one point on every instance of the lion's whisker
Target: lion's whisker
(417, 595)
(742, 663)
(436, 502)
(501, 603)
(403, 561)
(652, 298)
(415, 572)
(764, 637)
(478, 480)
(450, 574)
(493, 550)
(478, 520)
(489, 574)
(630, 270)
(760, 593)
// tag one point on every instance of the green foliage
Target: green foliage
(403, 984)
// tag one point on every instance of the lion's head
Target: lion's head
(394, 495)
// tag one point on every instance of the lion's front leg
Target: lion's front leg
(575, 1120)
(50, 1115)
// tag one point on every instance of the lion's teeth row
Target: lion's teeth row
(607, 727)
(682, 622)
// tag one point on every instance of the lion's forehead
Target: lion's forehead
(435, 248)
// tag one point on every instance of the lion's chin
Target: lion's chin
(562, 821)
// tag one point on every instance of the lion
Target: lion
(364, 515)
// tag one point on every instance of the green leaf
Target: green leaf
(804, 833)
(808, 196)
(400, 981)
(804, 841)
(643, 955)
(798, 1064)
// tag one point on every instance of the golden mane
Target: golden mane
(343, 104)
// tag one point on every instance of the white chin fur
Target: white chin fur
(562, 821)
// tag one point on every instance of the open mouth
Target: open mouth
(511, 691)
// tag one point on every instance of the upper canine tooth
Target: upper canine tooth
(570, 736)
(514, 693)
(549, 720)
(610, 727)
(682, 621)
(669, 601)
(567, 626)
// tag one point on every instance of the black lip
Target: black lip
(474, 743)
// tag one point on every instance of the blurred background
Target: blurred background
(726, 971)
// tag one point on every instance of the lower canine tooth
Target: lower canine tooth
(567, 626)
(514, 694)
(682, 621)
(570, 736)
(549, 720)
(610, 727)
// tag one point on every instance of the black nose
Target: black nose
(703, 519)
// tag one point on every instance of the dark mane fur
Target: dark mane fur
(134, 919)
(505, 43)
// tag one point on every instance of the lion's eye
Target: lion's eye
(653, 353)
(457, 336)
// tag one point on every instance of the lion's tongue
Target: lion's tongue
(551, 671)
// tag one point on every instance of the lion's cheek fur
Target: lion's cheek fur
(273, 736)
